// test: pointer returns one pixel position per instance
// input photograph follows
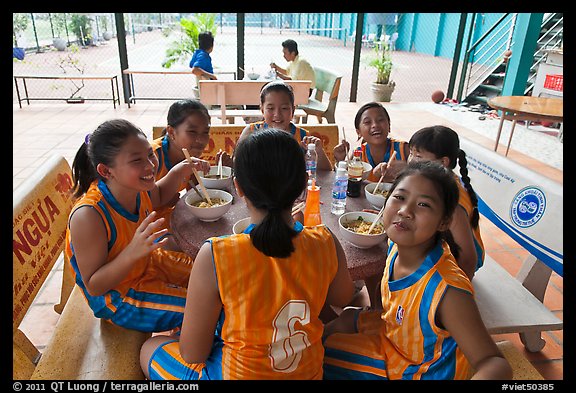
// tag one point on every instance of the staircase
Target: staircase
(486, 80)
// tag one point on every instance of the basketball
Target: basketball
(438, 96)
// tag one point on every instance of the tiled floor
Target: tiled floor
(42, 129)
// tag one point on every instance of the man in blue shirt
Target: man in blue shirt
(201, 62)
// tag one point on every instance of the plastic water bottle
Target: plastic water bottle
(339, 189)
(311, 161)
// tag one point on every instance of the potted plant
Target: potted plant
(381, 60)
(71, 62)
(107, 35)
(80, 26)
(59, 23)
(19, 25)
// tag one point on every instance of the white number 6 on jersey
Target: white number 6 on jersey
(287, 342)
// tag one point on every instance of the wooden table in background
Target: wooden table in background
(526, 108)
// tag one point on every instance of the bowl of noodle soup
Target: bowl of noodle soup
(377, 197)
(354, 229)
(200, 208)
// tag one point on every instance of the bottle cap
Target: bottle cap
(358, 153)
(311, 146)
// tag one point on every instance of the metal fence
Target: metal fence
(326, 40)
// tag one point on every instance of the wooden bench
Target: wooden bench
(225, 137)
(81, 346)
(528, 208)
(245, 92)
(112, 78)
(164, 71)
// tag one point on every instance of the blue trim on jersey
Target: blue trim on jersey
(116, 206)
(354, 358)
(165, 148)
(298, 227)
(405, 282)
(332, 372)
(386, 158)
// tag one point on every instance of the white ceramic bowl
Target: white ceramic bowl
(212, 181)
(253, 76)
(357, 239)
(241, 225)
(209, 214)
(377, 200)
(367, 170)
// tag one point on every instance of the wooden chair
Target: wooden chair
(328, 82)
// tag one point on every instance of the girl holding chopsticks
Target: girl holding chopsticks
(262, 290)
(114, 237)
(372, 123)
(188, 126)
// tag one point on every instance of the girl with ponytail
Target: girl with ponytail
(262, 290)
(441, 144)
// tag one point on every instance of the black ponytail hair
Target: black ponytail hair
(445, 183)
(101, 146)
(444, 142)
(270, 168)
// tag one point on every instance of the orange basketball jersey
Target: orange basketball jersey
(394, 147)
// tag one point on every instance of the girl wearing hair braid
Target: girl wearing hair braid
(429, 326)
(261, 290)
(440, 143)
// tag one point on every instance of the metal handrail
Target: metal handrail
(489, 39)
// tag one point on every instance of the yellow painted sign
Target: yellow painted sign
(40, 214)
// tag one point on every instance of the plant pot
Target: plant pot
(59, 43)
(382, 93)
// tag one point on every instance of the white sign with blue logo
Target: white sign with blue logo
(522, 203)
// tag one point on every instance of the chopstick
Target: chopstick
(206, 195)
(298, 207)
(392, 158)
(220, 165)
(345, 147)
(376, 219)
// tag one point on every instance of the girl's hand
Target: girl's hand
(226, 159)
(146, 238)
(313, 139)
(340, 150)
(185, 168)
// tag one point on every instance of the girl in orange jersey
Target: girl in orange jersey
(277, 106)
(441, 144)
(262, 290)
(372, 124)
(113, 238)
(429, 326)
(188, 126)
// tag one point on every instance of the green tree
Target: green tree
(20, 23)
(187, 43)
(80, 26)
